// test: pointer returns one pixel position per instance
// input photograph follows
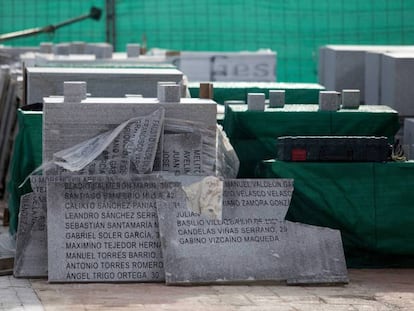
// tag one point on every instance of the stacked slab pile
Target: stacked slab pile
(362, 67)
(10, 100)
(144, 194)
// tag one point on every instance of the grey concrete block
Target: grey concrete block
(250, 243)
(104, 229)
(350, 98)
(102, 82)
(276, 98)
(255, 101)
(133, 50)
(329, 100)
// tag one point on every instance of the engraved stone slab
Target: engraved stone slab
(102, 82)
(105, 229)
(67, 125)
(134, 141)
(251, 245)
(397, 74)
(31, 247)
(243, 196)
(182, 153)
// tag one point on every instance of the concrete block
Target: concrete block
(169, 92)
(255, 101)
(133, 50)
(329, 100)
(350, 98)
(276, 98)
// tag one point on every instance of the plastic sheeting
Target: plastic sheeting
(371, 203)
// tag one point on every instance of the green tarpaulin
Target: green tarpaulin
(371, 203)
(27, 155)
(254, 134)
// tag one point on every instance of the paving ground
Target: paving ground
(368, 290)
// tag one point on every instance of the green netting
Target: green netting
(371, 203)
(27, 155)
(295, 29)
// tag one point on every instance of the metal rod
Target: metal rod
(95, 13)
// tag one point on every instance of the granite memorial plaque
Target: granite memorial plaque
(256, 101)
(251, 243)
(329, 100)
(31, 245)
(67, 125)
(182, 153)
(105, 229)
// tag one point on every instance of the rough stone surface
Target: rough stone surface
(133, 50)
(65, 126)
(182, 153)
(252, 245)
(408, 138)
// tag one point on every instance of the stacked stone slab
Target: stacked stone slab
(397, 73)
(102, 82)
(184, 223)
(343, 66)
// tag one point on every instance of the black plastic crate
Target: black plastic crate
(333, 148)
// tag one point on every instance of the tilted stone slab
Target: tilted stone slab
(250, 246)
